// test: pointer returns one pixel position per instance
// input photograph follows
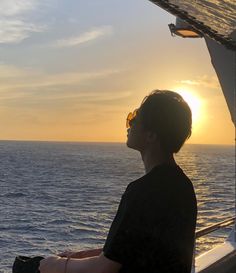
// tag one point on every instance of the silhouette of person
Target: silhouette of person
(154, 228)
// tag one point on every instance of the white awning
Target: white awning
(214, 18)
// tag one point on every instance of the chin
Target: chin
(132, 145)
(128, 143)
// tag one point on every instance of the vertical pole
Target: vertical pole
(235, 145)
(224, 63)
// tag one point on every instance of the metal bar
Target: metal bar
(214, 227)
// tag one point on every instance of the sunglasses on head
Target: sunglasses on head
(130, 118)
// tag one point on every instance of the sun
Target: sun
(195, 104)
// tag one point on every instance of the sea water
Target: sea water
(57, 196)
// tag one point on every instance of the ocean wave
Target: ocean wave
(60, 196)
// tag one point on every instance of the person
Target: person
(154, 228)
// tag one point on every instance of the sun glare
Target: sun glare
(194, 103)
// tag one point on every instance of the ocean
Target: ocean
(58, 195)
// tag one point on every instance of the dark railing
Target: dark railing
(214, 227)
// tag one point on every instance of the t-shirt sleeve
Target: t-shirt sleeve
(120, 241)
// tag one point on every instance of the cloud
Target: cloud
(27, 87)
(15, 80)
(203, 81)
(85, 37)
(16, 7)
(14, 26)
(15, 31)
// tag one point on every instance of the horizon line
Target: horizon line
(101, 142)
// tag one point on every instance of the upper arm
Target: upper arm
(98, 264)
(123, 233)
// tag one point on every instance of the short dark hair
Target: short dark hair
(168, 115)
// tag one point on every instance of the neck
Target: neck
(155, 157)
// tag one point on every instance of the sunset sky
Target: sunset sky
(71, 70)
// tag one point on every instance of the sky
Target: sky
(71, 70)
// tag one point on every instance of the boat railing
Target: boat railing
(204, 231)
(214, 227)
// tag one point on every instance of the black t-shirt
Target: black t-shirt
(154, 228)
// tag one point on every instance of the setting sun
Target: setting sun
(195, 103)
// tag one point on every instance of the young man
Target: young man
(154, 228)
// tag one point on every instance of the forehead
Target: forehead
(137, 115)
